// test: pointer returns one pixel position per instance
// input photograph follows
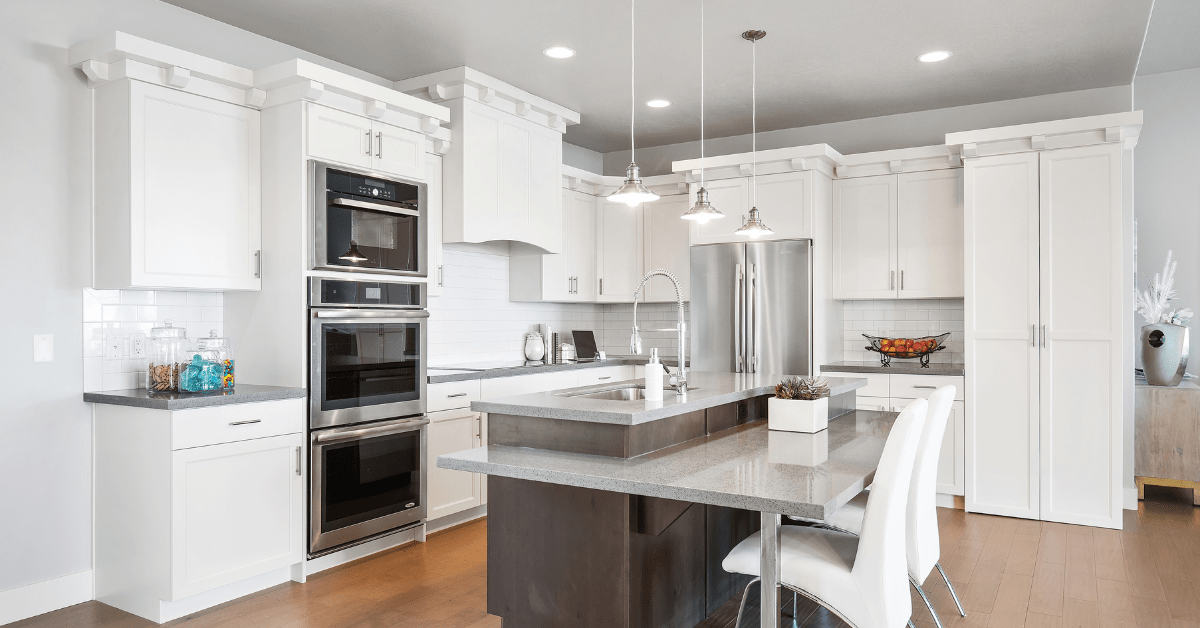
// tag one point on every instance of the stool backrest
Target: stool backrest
(924, 546)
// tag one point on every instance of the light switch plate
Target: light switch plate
(43, 348)
(112, 345)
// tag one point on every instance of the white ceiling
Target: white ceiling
(1172, 42)
(820, 62)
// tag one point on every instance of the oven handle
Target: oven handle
(350, 202)
(352, 314)
(382, 430)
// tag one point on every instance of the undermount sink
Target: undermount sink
(629, 392)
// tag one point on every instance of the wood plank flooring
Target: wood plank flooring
(1008, 573)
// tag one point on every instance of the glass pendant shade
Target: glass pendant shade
(702, 211)
(353, 255)
(755, 227)
(632, 192)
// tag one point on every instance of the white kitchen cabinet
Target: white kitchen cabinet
(899, 236)
(452, 491)
(345, 138)
(667, 246)
(732, 198)
(604, 375)
(620, 263)
(1045, 310)
(564, 277)
(785, 201)
(188, 501)
(433, 205)
(177, 200)
(864, 238)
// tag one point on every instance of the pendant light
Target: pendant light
(702, 211)
(632, 192)
(754, 227)
(353, 255)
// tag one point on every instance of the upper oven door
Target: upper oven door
(362, 222)
(366, 365)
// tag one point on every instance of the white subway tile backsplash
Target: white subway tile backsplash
(201, 299)
(137, 297)
(166, 297)
(907, 317)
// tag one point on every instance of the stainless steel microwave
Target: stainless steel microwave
(363, 222)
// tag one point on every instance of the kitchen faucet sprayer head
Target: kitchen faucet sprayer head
(635, 342)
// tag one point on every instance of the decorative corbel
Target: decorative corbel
(313, 90)
(970, 149)
(955, 160)
(487, 94)
(555, 121)
(744, 169)
(96, 71)
(523, 108)
(1038, 142)
(178, 77)
(255, 97)
(437, 92)
(841, 171)
(376, 108)
(441, 147)
(799, 163)
(896, 166)
(430, 125)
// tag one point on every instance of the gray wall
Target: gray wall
(45, 173)
(583, 158)
(1167, 183)
(922, 128)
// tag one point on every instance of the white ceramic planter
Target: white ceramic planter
(798, 415)
(809, 450)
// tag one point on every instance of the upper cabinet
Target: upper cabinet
(353, 140)
(569, 276)
(176, 190)
(666, 245)
(898, 236)
(620, 265)
(502, 171)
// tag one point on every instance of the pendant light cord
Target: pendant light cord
(754, 120)
(632, 68)
(703, 162)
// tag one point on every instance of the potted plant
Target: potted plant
(1164, 338)
(800, 404)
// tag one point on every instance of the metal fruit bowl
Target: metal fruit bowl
(906, 348)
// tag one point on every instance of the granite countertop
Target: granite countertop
(711, 389)
(242, 393)
(746, 467)
(898, 367)
(489, 370)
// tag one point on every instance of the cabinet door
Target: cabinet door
(194, 200)
(732, 198)
(619, 264)
(398, 151)
(433, 204)
(339, 136)
(667, 246)
(579, 240)
(929, 234)
(864, 238)
(558, 270)
(951, 463)
(785, 204)
(1083, 368)
(1001, 303)
(451, 491)
(237, 510)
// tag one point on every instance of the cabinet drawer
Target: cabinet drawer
(604, 375)
(226, 424)
(525, 384)
(921, 386)
(451, 395)
(877, 383)
(877, 404)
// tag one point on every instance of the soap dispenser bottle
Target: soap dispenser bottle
(654, 378)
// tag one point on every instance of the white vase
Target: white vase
(535, 347)
(798, 415)
(1164, 353)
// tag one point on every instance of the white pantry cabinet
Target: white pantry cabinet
(433, 182)
(188, 501)
(898, 236)
(341, 137)
(177, 200)
(1045, 310)
(785, 202)
(564, 277)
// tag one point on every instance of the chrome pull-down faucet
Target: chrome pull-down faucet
(635, 340)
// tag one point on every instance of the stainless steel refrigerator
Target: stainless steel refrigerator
(751, 307)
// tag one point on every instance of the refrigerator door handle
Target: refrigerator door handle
(751, 330)
(737, 320)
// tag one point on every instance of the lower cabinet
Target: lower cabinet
(453, 491)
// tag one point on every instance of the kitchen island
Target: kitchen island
(606, 511)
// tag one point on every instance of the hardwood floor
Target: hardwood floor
(1008, 573)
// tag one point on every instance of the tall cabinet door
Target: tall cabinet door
(667, 246)
(433, 178)
(1082, 319)
(1001, 266)
(619, 263)
(864, 240)
(579, 239)
(929, 228)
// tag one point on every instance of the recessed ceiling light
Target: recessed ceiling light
(559, 52)
(934, 57)
(658, 103)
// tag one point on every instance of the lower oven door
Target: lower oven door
(365, 480)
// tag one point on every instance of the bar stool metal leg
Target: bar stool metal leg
(742, 606)
(951, 587)
(916, 586)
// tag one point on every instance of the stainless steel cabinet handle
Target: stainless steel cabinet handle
(892, 280)
(926, 387)
(297, 461)
(479, 428)
(248, 422)
(440, 278)
(601, 285)
(383, 430)
(901, 280)
(456, 395)
(606, 377)
(1033, 335)
(368, 142)
(379, 145)
(1043, 336)
(258, 263)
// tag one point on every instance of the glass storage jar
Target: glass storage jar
(167, 350)
(210, 367)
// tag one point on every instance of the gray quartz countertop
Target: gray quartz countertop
(242, 393)
(750, 467)
(898, 367)
(711, 389)
(489, 370)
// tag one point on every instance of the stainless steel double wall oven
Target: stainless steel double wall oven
(368, 353)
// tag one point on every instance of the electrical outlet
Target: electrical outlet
(137, 346)
(112, 345)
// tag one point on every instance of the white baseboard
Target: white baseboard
(1131, 500)
(35, 599)
(946, 500)
(169, 611)
(450, 521)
